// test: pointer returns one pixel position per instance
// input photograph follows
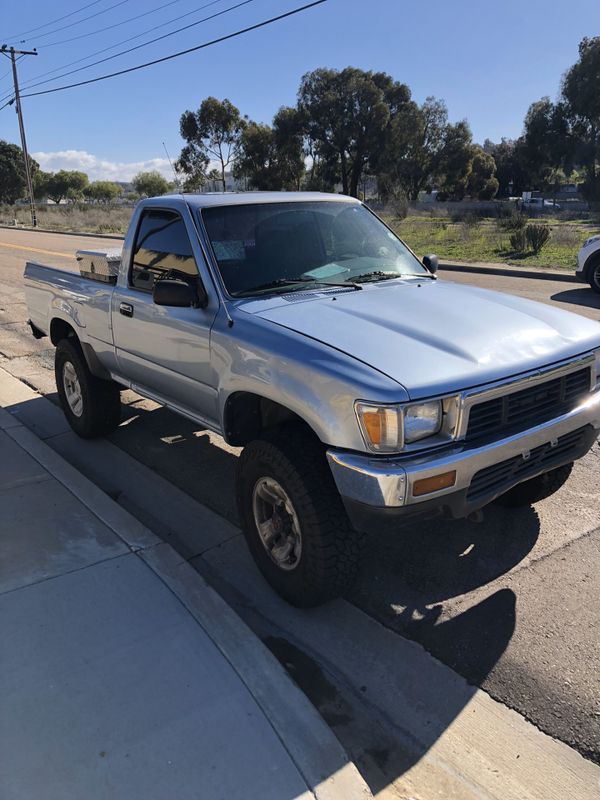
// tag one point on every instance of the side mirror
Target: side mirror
(430, 262)
(173, 292)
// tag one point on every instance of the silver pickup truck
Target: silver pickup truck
(363, 390)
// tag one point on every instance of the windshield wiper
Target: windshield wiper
(379, 275)
(282, 282)
(344, 284)
(269, 285)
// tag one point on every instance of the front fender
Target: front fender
(315, 381)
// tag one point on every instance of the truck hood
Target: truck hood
(435, 337)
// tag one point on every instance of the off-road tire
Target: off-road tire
(331, 548)
(535, 489)
(101, 412)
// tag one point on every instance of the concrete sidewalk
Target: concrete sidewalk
(122, 674)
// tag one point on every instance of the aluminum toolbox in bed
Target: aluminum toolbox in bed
(100, 265)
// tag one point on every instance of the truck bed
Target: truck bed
(83, 302)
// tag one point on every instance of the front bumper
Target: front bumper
(381, 489)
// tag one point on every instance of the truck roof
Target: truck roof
(210, 199)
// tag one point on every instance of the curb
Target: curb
(510, 272)
(63, 233)
(312, 746)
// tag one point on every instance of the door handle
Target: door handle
(126, 309)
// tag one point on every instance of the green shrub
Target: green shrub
(518, 241)
(537, 236)
(515, 221)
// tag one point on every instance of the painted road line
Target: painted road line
(37, 250)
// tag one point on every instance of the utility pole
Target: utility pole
(19, 111)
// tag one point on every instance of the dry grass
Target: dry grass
(77, 217)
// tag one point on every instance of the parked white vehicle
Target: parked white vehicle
(540, 203)
(588, 263)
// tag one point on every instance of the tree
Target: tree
(421, 148)
(65, 183)
(40, 183)
(481, 180)
(256, 159)
(150, 184)
(546, 141)
(581, 98)
(103, 191)
(272, 157)
(345, 115)
(212, 132)
(13, 182)
(453, 162)
(511, 172)
(288, 135)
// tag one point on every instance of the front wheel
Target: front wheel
(535, 489)
(91, 405)
(293, 519)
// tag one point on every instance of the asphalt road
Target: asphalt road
(511, 603)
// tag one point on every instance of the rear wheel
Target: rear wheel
(535, 489)
(293, 519)
(91, 405)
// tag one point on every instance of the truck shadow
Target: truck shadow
(425, 581)
(407, 582)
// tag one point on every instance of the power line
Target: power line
(54, 21)
(29, 82)
(143, 44)
(115, 25)
(79, 21)
(258, 25)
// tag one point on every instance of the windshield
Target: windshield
(280, 247)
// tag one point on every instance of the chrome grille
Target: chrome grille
(528, 407)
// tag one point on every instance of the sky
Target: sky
(487, 61)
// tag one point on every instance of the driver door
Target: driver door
(165, 351)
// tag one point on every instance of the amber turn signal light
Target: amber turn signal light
(434, 484)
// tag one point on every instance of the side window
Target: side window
(162, 245)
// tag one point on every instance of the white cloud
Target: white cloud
(98, 168)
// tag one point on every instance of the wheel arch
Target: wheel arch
(61, 329)
(247, 414)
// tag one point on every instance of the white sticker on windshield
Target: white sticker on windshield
(229, 250)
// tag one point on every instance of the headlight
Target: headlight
(591, 239)
(421, 420)
(386, 429)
